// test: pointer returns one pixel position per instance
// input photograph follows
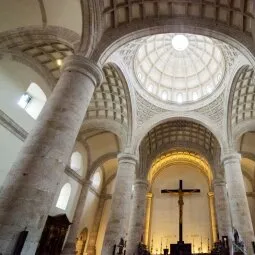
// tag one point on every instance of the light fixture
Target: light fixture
(180, 42)
(59, 62)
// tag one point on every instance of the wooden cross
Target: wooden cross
(180, 192)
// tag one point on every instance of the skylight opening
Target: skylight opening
(180, 42)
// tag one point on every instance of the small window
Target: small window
(164, 95)
(24, 100)
(64, 196)
(194, 96)
(76, 161)
(179, 98)
(33, 100)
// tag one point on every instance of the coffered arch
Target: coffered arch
(178, 135)
(237, 14)
(111, 100)
(241, 105)
(40, 48)
(229, 21)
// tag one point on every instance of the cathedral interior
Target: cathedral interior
(104, 104)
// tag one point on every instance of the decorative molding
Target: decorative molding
(71, 173)
(12, 126)
(145, 110)
(214, 110)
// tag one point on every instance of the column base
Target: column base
(69, 249)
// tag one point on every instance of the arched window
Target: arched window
(96, 181)
(33, 100)
(179, 98)
(76, 161)
(64, 196)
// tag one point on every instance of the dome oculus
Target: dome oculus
(180, 42)
(179, 68)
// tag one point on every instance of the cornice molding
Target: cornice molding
(12, 126)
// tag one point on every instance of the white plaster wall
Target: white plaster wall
(15, 78)
(14, 81)
(68, 14)
(10, 146)
(196, 214)
(15, 14)
(251, 200)
(89, 212)
(73, 200)
(103, 225)
(97, 148)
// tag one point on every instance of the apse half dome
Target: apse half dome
(179, 68)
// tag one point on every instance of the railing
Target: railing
(239, 248)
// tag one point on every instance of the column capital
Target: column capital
(149, 195)
(219, 182)
(141, 182)
(210, 194)
(231, 158)
(85, 66)
(127, 158)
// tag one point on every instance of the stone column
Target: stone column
(31, 184)
(222, 209)
(116, 227)
(91, 250)
(212, 215)
(70, 245)
(148, 219)
(241, 218)
(136, 223)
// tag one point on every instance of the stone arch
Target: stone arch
(176, 135)
(40, 49)
(114, 38)
(100, 161)
(168, 116)
(111, 101)
(241, 107)
(180, 157)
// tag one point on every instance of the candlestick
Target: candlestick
(201, 244)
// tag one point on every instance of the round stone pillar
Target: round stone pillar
(222, 209)
(136, 222)
(70, 245)
(212, 215)
(31, 184)
(241, 218)
(147, 218)
(117, 227)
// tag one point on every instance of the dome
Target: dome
(179, 68)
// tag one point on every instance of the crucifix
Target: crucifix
(180, 192)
